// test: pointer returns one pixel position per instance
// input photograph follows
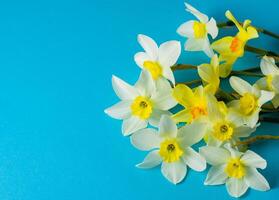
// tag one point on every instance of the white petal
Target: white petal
(253, 119)
(121, 110)
(255, 180)
(207, 48)
(252, 159)
(186, 29)
(212, 28)
(191, 133)
(146, 139)
(234, 153)
(169, 53)
(174, 172)
(149, 45)
(140, 58)
(194, 160)
(202, 17)
(163, 98)
(236, 187)
(243, 131)
(167, 127)
(156, 115)
(123, 90)
(151, 160)
(132, 124)
(145, 84)
(240, 86)
(268, 66)
(193, 44)
(261, 84)
(275, 101)
(265, 97)
(168, 74)
(216, 175)
(215, 155)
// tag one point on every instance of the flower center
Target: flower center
(198, 111)
(154, 68)
(199, 30)
(170, 150)
(223, 131)
(142, 107)
(248, 103)
(235, 168)
(236, 45)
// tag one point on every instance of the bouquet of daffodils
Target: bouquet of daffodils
(221, 119)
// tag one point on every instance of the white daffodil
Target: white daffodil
(158, 60)
(223, 126)
(171, 147)
(271, 80)
(247, 108)
(140, 104)
(197, 32)
(235, 169)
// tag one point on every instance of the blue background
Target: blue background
(56, 62)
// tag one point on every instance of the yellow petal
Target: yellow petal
(252, 32)
(222, 45)
(230, 16)
(182, 116)
(183, 95)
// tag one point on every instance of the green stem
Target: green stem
(182, 67)
(260, 30)
(257, 138)
(262, 52)
(189, 83)
(246, 73)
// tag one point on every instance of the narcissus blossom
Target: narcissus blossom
(235, 169)
(194, 101)
(223, 125)
(209, 73)
(247, 108)
(158, 60)
(140, 104)
(271, 80)
(231, 48)
(197, 32)
(171, 147)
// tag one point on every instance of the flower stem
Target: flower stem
(260, 30)
(257, 138)
(262, 52)
(189, 83)
(246, 73)
(182, 67)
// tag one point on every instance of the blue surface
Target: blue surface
(56, 62)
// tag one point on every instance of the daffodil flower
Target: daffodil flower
(171, 147)
(271, 80)
(231, 48)
(194, 102)
(158, 60)
(209, 73)
(223, 126)
(247, 108)
(235, 169)
(140, 104)
(197, 32)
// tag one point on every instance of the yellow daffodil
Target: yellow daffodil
(209, 73)
(223, 126)
(271, 80)
(247, 108)
(158, 60)
(194, 102)
(235, 169)
(197, 32)
(141, 104)
(231, 48)
(171, 147)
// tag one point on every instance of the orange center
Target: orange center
(197, 111)
(235, 45)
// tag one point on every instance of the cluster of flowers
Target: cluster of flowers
(144, 107)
